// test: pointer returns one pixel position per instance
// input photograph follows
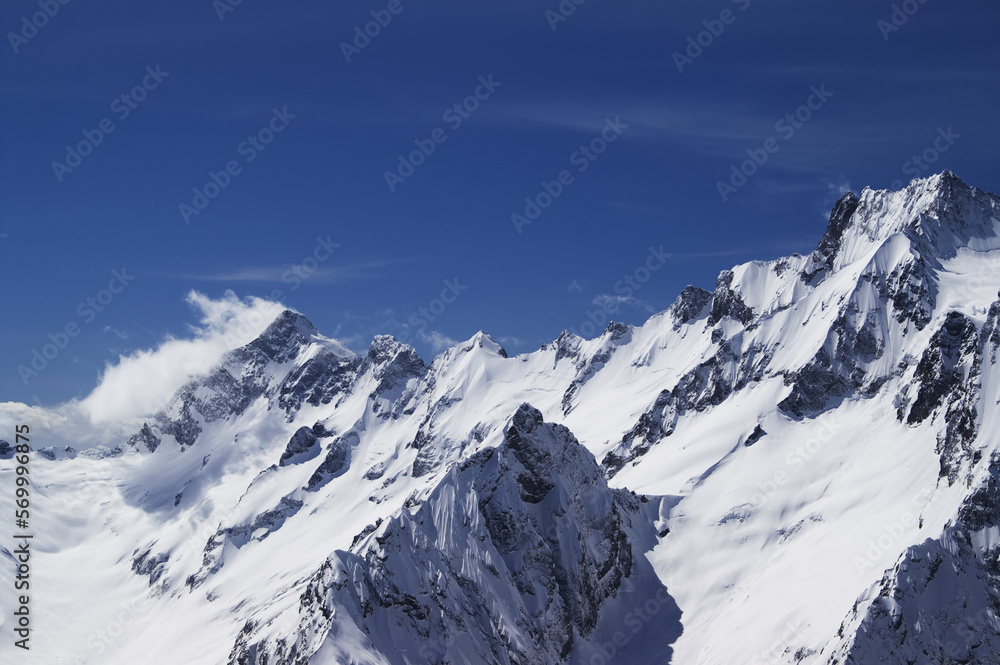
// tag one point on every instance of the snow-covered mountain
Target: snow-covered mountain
(802, 466)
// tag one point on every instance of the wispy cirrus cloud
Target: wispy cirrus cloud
(612, 303)
(276, 274)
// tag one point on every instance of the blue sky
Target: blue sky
(267, 91)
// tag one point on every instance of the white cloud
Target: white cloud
(64, 425)
(839, 188)
(121, 335)
(438, 340)
(574, 287)
(296, 274)
(612, 303)
(141, 383)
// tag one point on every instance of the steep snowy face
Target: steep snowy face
(797, 467)
(521, 554)
(939, 215)
(940, 602)
(867, 360)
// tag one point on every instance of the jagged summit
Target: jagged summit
(690, 304)
(289, 326)
(803, 461)
(482, 340)
(822, 258)
(938, 215)
(386, 347)
(520, 554)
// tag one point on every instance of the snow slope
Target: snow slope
(799, 467)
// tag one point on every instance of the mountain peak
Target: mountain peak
(526, 419)
(482, 340)
(282, 339)
(287, 326)
(947, 181)
(822, 258)
(944, 212)
(938, 214)
(690, 304)
(386, 347)
(289, 321)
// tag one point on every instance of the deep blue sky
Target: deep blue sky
(324, 174)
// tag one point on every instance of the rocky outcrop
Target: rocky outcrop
(821, 260)
(336, 462)
(940, 603)
(521, 555)
(727, 302)
(690, 305)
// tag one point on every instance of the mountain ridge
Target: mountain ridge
(755, 441)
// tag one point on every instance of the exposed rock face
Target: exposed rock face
(728, 303)
(821, 260)
(146, 438)
(940, 603)
(947, 384)
(707, 385)
(301, 447)
(417, 521)
(394, 366)
(690, 305)
(149, 565)
(944, 366)
(507, 561)
(614, 336)
(756, 435)
(319, 381)
(337, 460)
(656, 423)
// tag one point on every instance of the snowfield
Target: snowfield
(802, 466)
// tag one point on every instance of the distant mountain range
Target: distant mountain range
(802, 466)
